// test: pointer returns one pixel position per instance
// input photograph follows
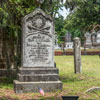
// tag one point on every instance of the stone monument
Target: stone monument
(96, 39)
(68, 37)
(77, 55)
(38, 68)
(68, 41)
(88, 42)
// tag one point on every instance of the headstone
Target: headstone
(98, 37)
(68, 41)
(88, 42)
(77, 55)
(38, 68)
(38, 35)
(68, 37)
(93, 37)
(69, 45)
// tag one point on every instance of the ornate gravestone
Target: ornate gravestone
(38, 68)
(88, 43)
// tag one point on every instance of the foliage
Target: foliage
(84, 16)
(11, 13)
(59, 28)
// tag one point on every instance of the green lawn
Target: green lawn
(77, 84)
(73, 84)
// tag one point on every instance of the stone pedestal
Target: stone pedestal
(30, 79)
(77, 55)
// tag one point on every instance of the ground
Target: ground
(73, 84)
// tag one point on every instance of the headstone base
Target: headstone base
(26, 87)
(30, 79)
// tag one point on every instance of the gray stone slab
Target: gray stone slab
(39, 71)
(25, 87)
(38, 77)
(38, 40)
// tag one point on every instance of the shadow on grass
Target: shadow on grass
(70, 78)
(6, 82)
(8, 98)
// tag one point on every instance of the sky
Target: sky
(64, 12)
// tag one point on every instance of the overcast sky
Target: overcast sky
(64, 12)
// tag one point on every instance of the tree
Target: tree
(85, 14)
(11, 13)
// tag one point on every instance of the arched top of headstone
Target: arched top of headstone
(36, 14)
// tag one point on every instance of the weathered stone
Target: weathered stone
(38, 40)
(95, 39)
(77, 55)
(38, 67)
(49, 86)
(68, 37)
(37, 77)
(39, 71)
(88, 42)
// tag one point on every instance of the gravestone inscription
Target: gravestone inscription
(38, 41)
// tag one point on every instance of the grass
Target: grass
(73, 84)
(77, 84)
